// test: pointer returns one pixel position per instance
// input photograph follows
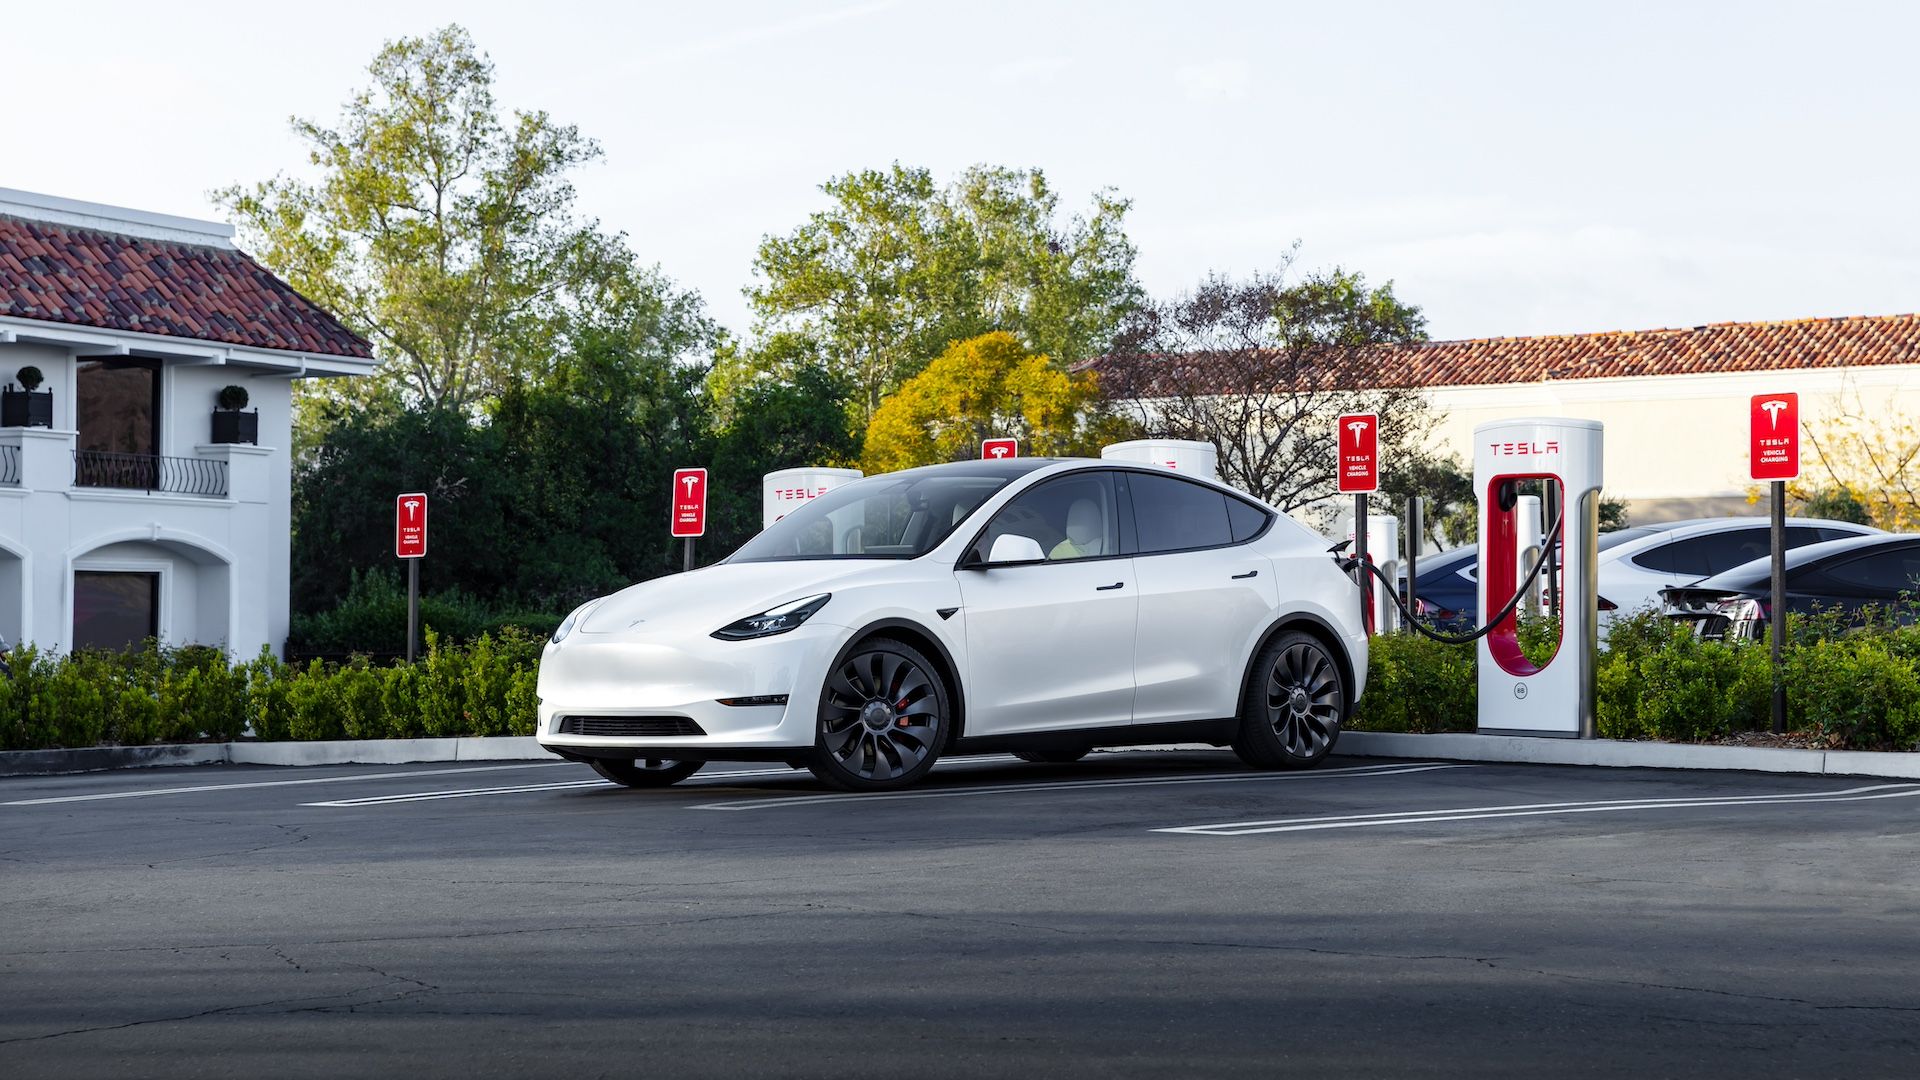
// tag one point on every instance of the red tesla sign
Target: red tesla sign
(689, 502)
(410, 525)
(1773, 448)
(999, 449)
(1359, 461)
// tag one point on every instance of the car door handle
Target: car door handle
(1248, 574)
(1109, 588)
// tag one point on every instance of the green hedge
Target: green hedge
(158, 695)
(1849, 685)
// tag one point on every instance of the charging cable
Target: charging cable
(1348, 562)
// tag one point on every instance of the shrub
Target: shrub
(232, 398)
(1417, 684)
(1856, 693)
(373, 618)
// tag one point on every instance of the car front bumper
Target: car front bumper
(615, 677)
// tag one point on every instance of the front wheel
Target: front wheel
(884, 719)
(645, 772)
(1291, 714)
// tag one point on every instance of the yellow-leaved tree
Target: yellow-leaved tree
(1861, 461)
(988, 387)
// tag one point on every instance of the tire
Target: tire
(884, 718)
(1051, 757)
(1294, 704)
(646, 772)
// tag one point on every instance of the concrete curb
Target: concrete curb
(1612, 753)
(1451, 747)
(339, 752)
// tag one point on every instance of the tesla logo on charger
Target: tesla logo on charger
(689, 502)
(1358, 465)
(999, 449)
(1773, 439)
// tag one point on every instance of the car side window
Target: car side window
(1073, 517)
(1245, 519)
(1885, 573)
(1704, 556)
(1171, 514)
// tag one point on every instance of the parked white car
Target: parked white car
(1635, 563)
(1633, 571)
(1037, 606)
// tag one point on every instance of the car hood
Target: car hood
(702, 601)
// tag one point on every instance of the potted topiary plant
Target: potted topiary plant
(230, 425)
(24, 407)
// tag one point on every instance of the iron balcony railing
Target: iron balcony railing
(9, 465)
(149, 472)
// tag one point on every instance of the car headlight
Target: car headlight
(567, 624)
(774, 620)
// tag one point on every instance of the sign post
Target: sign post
(410, 545)
(1357, 437)
(689, 507)
(999, 449)
(1773, 454)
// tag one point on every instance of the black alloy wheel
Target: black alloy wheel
(645, 772)
(883, 718)
(1294, 705)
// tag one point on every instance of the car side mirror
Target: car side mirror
(1014, 548)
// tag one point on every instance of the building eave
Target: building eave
(101, 341)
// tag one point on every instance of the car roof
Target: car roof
(1749, 574)
(1697, 526)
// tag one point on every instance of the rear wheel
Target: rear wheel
(645, 772)
(1295, 703)
(884, 718)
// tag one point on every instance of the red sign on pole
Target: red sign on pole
(1773, 449)
(689, 502)
(1359, 461)
(999, 449)
(410, 525)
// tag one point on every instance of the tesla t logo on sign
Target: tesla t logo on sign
(410, 525)
(689, 502)
(1359, 460)
(999, 449)
(1773, 447)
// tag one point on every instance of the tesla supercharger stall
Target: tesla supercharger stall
(1181, 455)
(1517, 696)
(783, 492)
(1383, 548)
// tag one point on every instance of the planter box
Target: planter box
(236, 427)
(22, 408)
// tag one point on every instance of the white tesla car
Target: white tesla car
(1042, 607)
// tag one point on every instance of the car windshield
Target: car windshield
(898, 516)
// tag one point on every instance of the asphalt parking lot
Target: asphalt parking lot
(1137, 914)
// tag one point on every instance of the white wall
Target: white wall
(224, 560)
(1676, 445)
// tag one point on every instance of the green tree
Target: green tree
(439, 227)
(898, 267)
(983, 387)
(1263, 369)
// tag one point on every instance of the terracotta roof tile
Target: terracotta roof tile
(57, 273)
(1848, 341)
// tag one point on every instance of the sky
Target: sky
(1514, 169)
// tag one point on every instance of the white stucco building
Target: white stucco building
(124, 513)
(1675, 402)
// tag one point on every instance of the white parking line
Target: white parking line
(1477, 813)
(469, 793)
(1086, 785)
(695, 781)
(104, 795)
